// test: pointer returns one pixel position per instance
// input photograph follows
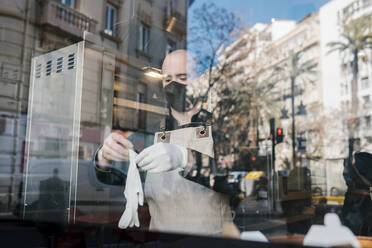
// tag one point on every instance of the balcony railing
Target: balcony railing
(67, 19)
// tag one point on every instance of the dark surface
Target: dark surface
(357, 208)
(16, 233)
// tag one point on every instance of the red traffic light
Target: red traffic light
(279, 131)
(279, 135)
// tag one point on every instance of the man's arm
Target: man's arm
(110, 160)
(107, 173)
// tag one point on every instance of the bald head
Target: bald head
(177, 66)
(181, 84)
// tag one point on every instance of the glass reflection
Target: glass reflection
(281, 90)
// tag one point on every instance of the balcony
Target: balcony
(175, 23)
(66, 19)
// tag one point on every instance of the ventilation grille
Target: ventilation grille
(38, 71)
(48, 68)
(59, 64)
(71, 61)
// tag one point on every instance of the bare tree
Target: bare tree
(214, 29)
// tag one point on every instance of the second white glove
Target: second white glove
(162, 157)
(133, 194)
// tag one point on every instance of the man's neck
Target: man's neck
(184, 118)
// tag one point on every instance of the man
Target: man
(178, 201)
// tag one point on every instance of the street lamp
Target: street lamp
(152, 72)
(301, 111)
(293, 79)
(284, 112)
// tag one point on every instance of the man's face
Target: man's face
(176, 67)
(178, 81)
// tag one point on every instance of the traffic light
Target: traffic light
(272, 129)
(279, 135)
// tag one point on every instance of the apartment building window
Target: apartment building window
(170, 7)
(171, 46)
(351, 9)
(356, 5)
(368, 121)
(345, 11)
(70, 3)
(364, 83)
(111, 19)
(366, 99)
(144, 38)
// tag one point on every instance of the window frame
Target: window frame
(71, 5)
(368, 121)
(110, 28)
(364, 83)
(169, 48)
(144, 34)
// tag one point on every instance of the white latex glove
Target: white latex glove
(255, 236)
(133, 194)
(162, 157)
(333, 233)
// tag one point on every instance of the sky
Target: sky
(255, 11)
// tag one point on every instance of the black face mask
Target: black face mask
(175, 93)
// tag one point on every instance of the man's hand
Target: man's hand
(162, 157)
(115, 148)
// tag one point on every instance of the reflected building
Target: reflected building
(122, 38)
(303, 40)
(336, 74)
(267, 48)
(273, 45)
(243, 60)
(321, 97)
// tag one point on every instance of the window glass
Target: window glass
(171, 46)
(365, 83)
(143, 38)
(70, 3)
(235, 119)
(111, 19)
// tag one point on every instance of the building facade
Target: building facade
(321, 94)
(294, 59)
(336, 75)
(124, 38)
